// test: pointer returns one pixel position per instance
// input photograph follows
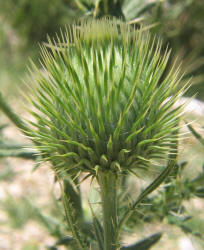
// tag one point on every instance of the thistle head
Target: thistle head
(101, 101)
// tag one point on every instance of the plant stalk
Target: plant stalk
(108, 182)
(106, 7)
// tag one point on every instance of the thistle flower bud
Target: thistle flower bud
(101, 100)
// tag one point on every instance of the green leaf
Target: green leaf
(199, 192)
(2, 127)
(196, 134)
(199, 180)
(4, 106)
(18, 153)
(144, 244)
(64, 241)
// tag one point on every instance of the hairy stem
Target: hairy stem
(75, 200)
(108, 184)
(69, 217)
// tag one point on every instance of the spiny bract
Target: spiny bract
(100, 101)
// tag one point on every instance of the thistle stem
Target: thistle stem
(108, 184)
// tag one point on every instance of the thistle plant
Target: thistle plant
(102, 109)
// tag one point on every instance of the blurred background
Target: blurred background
(26, 23)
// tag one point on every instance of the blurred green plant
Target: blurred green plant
(30, 246)
(33, 20)
(18, 210)
(8, 173)
(9, 148)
